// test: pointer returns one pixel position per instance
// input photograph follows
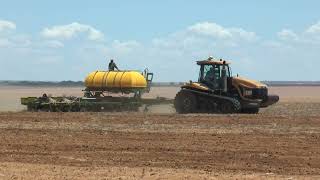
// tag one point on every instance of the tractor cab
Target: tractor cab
(215, 74)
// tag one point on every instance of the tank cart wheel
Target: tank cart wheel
(83, 109)
(46, 109)
(185, 102)
(143, 108)
(66, 108)
(30, 108)
(133, 108)
(53, 108)
(61, 108)
(75, 108)
(250, 111)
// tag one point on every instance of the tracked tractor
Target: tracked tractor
(217, 91)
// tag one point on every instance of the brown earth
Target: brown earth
(273, 144)
(10, 95)
(283, 141)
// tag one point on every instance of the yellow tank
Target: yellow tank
(116, 81)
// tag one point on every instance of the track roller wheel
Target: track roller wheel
(185, 102)
(227, 107)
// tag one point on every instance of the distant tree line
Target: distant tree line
(42, 83)
(155, 84)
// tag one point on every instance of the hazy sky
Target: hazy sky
(65, 40)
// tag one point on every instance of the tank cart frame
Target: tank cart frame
(92, 104)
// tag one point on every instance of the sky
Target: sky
(66, 40)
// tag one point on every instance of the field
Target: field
(283, 141)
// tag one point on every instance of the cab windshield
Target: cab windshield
(213, 72)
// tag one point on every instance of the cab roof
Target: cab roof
(212, 61)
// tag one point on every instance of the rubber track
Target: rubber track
(235, 102)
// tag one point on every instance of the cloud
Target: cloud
(72, 30)
(5, 43)
(204, 39)
(54, 44)
(287, 34)
(125, 46)
(7, 25)
(314, 29)
(210, 29)
(118, 48)
(243, 34)
(219, 32)
(310, 36)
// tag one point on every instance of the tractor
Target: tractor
(217, 91)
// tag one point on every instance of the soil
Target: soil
(282, 141)
(93, 144)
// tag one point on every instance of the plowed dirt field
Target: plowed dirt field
(282, 141)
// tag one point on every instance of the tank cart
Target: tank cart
(126, 87)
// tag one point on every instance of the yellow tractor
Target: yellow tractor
(218, 92)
